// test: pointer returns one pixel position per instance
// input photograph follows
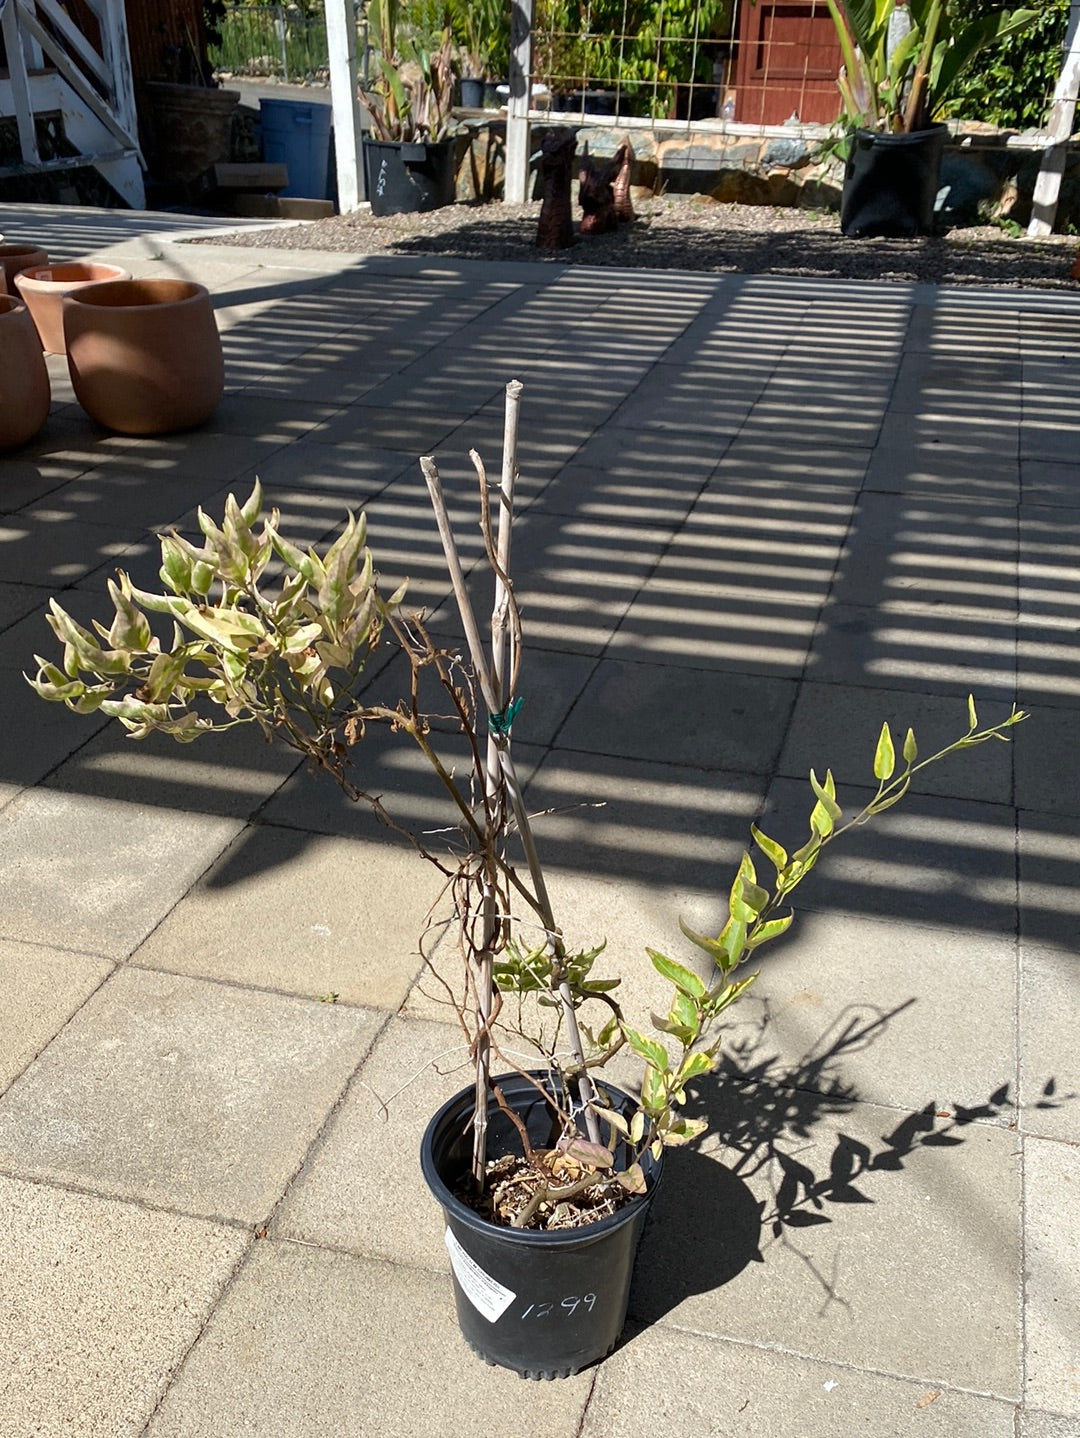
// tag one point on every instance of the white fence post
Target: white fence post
(516, 188)
(1062, 111)
(348, 143)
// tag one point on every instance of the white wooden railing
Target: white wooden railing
(52, 65)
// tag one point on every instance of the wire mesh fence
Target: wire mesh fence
(278, 40)
(760, 63)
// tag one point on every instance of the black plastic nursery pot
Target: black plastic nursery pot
(545, 1305)
(472, 92)
(891, 183)
(408, 179)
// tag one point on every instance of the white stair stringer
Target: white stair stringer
(119, 165)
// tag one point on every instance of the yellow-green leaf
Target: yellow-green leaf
(684, 979)
(911, 749)
(885, 755)
(774, 852)
(648, 1049)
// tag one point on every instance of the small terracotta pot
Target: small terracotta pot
(43, 290)
(24, 380)
(144, 355)
(14, 258)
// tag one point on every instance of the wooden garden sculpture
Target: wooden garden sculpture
(624, 206)
(596, 195)
(555, 228)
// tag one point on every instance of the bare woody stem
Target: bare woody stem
(492, 684)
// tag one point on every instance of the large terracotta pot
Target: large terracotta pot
(14, 258)
(144, 355)
(43, 290)
(24, 380)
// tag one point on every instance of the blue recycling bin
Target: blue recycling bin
(297, 134)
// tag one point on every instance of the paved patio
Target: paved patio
(760, 515)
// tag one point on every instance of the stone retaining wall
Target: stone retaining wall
(986, 174)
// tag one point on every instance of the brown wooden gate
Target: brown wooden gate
(787, 63)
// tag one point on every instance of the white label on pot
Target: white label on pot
(485, 1293)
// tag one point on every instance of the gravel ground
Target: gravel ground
(691, 234)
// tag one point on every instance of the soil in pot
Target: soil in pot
(891, 183)
(144, 355)
(24, 380)
(543, 1303)
(43, 290)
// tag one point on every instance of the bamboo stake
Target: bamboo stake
(499, 761)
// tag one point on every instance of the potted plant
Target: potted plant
(544, 1168)
(480, 29)
(901, 62)
(410, 156)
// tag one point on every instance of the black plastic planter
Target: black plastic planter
(472, 93)
(891, 183)
(406, 179)
(545, 1305)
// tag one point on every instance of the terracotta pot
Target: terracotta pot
(144, 355)
(24, 380)
(14, 258)
(43, 290)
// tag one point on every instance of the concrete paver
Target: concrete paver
(737, 1388)
(881, 1232)
(311, 1341)
(1052, 1261)
(98, 874)
(102, 1300)
(41, 989)
(320, 931)
(166, 1089)
(741, 549)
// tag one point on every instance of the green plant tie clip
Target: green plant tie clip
(500, 723)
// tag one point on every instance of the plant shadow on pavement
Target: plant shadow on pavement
(766, 1116)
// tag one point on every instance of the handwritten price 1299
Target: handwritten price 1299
(566, 1307)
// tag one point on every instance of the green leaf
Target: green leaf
(652, 1052)
(821, 821)
(130, 629)
(733, 939)
(732, 993)
(713, 947)
(176, 564)
(885, 755)
(826, 794)
(770, 929)
(684, 979)
(973, 718)
(684, 1130)
(252, 506)
(911, 749)
(695, 1065)
(774, 852)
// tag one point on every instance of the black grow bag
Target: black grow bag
(406, 179)
(891, 183)
(542, 1304)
